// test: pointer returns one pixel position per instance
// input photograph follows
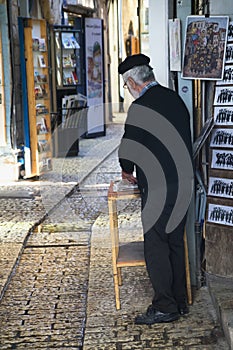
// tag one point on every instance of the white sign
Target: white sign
(94, 75)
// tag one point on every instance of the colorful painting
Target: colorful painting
(205, 47)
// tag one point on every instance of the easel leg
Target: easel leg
(119, 276)
(187, 270)
(117, 292)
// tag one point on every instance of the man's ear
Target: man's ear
(132, 83)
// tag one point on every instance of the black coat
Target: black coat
(157, 142)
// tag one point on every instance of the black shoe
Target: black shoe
(183, 310)
(154, 316)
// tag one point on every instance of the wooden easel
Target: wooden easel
(131, 254)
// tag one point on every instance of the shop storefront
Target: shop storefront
(2, 100)
(62, 72)
(8, 157)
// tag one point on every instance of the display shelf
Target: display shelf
(68, 60)
(38, 91)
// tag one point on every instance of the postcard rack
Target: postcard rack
(38, 95)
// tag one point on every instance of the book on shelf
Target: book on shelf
(42, 44)
(75, 77)
(74, 42)
(69, 41)
(44, 90)
(67, 61)
(45, 163)
(41, 126)
(35, 44)
(41, 109)
(38, 44)
(67, 78)
(40, 78)
(43, 146)
(41, 60)
(38, 92)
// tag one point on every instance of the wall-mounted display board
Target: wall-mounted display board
(36, 96)
(219, 216)
(221, 140)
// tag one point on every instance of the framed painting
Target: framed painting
(205, 47)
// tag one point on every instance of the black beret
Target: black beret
(132, 61)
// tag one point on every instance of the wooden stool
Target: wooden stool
(132, 253)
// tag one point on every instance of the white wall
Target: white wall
(158, 39)
(113, 48)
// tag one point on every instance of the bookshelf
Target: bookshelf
(68, 85)
(67, 58)
(38, 95)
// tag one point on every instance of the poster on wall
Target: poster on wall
(223, 95)
(222, 160)
(94, 76)
(223, 115)
(220, 214)
(220, 187)
(230, 32)
(227, 76)
(229, 53)
(222, 138)
(205, 47)
(175, 44)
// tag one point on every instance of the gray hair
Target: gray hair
(140, 74)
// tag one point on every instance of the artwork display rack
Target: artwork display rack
(38, 95)
(220, 184)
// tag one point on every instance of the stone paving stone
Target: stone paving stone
(49, 315)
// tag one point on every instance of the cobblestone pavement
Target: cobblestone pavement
(61, 295)
(109, 329)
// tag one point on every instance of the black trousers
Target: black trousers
(165, 262)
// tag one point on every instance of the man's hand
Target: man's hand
(128, 177)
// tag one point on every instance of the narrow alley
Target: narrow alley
(61, 295)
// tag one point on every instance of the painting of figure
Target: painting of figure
(205, 47)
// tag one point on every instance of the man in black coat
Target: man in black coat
(157, 144)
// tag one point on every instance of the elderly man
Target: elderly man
(157, 144)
